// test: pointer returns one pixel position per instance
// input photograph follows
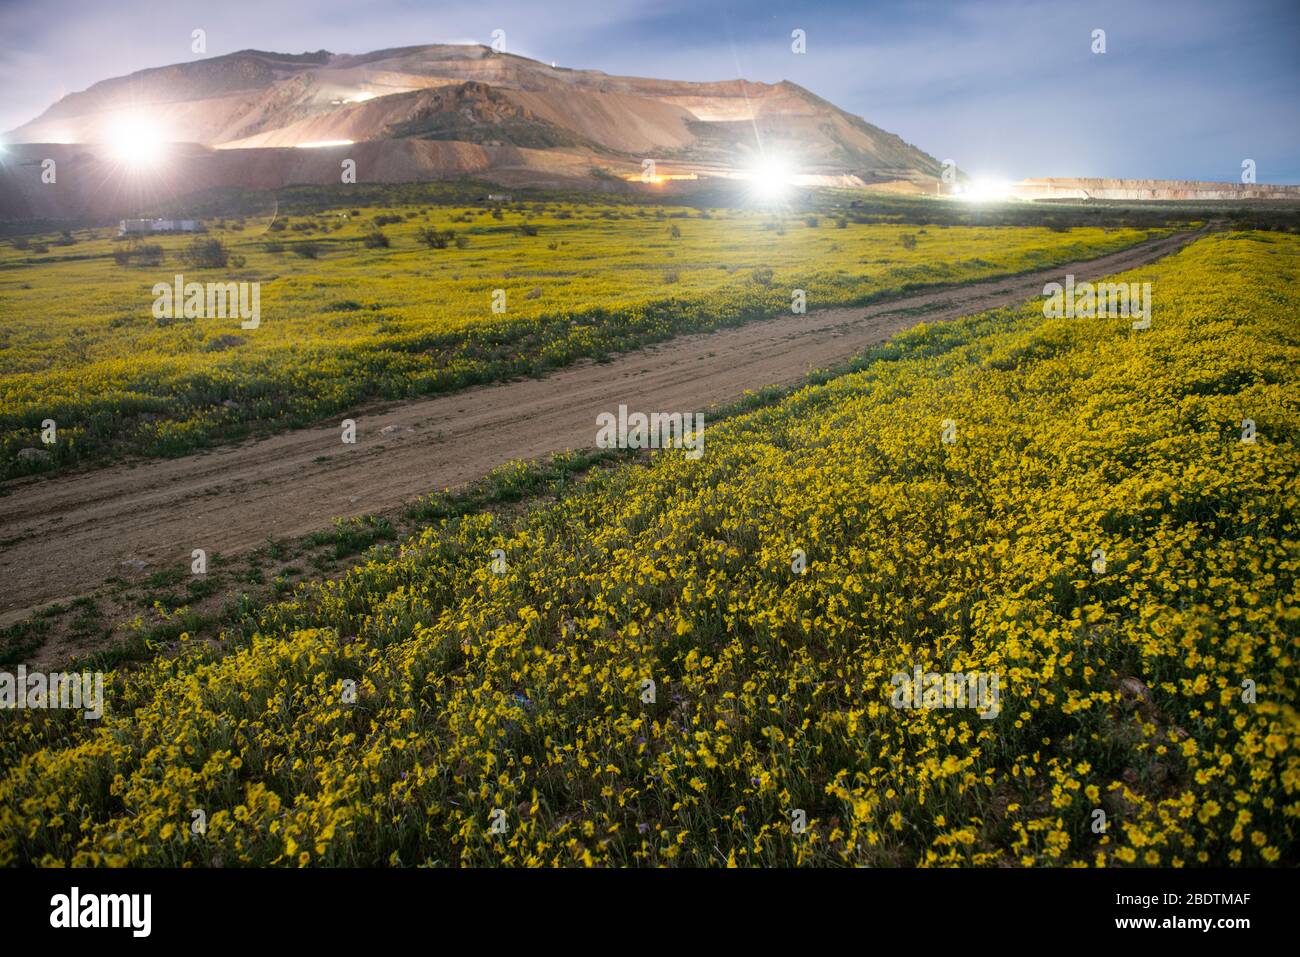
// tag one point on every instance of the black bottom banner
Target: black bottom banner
(336, 907)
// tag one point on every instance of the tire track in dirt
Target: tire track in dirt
(69, 534)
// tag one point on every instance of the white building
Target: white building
(139, 226)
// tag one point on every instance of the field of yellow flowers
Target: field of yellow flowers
(346, 319)
(447, 705)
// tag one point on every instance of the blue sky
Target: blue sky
(1007, 88)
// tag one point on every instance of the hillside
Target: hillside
(469, 99)
(639, 673)
(352, 323)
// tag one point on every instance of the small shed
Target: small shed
(141, 227)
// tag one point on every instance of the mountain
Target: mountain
(436, 111)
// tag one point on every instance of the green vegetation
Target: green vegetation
(364, 304)
(493, 669)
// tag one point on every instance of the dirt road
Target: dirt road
(71, 533)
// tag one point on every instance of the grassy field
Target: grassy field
(355, 306)
(515, 695)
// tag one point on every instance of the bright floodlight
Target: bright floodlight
(985, 190)
(771, 178)
(134, 141)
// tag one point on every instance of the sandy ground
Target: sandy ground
(74, 532)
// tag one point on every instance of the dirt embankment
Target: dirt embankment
(1150, 189)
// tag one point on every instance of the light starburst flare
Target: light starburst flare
(137, 142)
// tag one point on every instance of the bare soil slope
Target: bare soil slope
(254, 98)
